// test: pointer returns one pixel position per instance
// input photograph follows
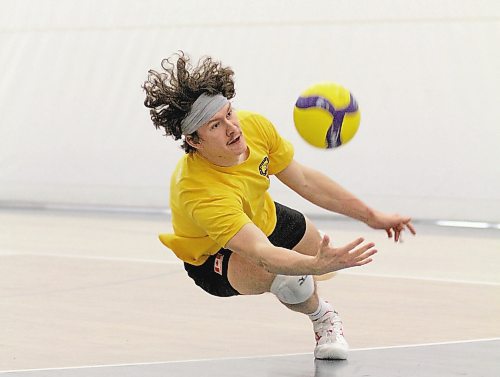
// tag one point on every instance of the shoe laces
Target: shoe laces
(329, 328)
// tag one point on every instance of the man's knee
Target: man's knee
(293, 289)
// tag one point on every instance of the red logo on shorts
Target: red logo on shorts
(218, 264)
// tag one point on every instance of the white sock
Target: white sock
(323, 308)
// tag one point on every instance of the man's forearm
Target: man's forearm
(283, 261)
(326, 193)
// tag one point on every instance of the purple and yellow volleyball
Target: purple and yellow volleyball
(326, 115)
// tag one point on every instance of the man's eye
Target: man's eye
(215, 125)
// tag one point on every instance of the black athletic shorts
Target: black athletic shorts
(211, 276)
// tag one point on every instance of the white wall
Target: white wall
(73, 129)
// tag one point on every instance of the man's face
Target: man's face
(221, 140)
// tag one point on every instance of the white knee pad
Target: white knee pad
(293, 289)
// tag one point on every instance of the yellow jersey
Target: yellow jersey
(211, 203)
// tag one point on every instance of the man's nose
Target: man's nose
(230, 128)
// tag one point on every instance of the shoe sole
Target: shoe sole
(331, 353)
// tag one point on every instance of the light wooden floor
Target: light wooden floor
(90, 289)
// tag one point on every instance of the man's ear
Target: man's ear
(193, 141)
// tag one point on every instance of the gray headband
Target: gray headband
(204, 108)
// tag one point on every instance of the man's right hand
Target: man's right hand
(330, 259)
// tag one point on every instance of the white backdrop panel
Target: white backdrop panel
(74, 130)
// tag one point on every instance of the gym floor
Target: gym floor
(94, 294)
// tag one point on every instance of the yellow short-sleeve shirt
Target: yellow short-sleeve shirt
(210, 203)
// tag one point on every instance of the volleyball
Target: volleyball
(326, 115)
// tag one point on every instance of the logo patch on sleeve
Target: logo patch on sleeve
(263, 166)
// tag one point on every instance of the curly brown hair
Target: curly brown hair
(171, 93)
